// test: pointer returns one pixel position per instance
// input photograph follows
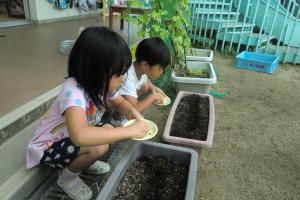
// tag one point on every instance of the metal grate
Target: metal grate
(237, 25)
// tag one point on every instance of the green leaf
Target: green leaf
(141, 33)
(167, 19)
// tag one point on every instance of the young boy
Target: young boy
(152, 57)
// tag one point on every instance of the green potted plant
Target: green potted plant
(169, 20)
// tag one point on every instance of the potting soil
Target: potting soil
(153, 179)
(191, 118)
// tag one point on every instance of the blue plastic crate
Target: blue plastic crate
(257, 62)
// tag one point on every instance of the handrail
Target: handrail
(285, 3)
(273, 18)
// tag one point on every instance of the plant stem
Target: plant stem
(173, 46)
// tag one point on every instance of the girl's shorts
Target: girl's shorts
(60, 154)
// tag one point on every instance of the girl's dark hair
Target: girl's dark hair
(96, 56)
(154, 51)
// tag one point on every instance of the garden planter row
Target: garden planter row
(197, 59)
(160, 171)
(161, 183)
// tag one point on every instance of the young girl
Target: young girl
(70, 136)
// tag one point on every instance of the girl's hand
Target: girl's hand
(158, 98)
(139, 129)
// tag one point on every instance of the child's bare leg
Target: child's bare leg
(88, 155)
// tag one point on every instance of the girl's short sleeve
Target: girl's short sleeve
(114, 95)
(71, 95)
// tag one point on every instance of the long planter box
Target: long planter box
(204, 55)
(199, 85)
(181, 155)
(186, 141)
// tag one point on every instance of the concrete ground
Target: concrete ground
(30, 61)
(256, 148)
(257, 136)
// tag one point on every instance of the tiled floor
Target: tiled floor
(30, 63)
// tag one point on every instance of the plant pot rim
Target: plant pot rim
(209, 81)
(186, 141)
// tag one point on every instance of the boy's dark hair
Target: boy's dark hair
(154, 51)
(96, 56)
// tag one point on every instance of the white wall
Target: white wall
(42, 10)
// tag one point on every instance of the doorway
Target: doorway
(13, 12)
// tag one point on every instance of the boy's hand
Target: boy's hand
(158, 98)
(158, 90)
(140, 128)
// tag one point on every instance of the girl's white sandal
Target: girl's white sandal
(98, 167)
(76, 190)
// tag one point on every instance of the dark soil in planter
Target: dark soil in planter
(153, 179)
(191, 118)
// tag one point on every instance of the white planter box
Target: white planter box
(198, 85)
(200, 55)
